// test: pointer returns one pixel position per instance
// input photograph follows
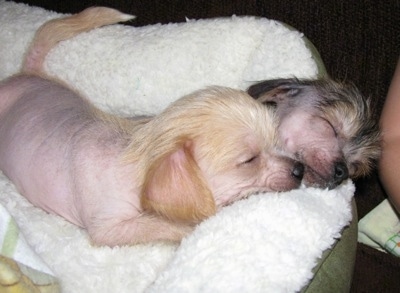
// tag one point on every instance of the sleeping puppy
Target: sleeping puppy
(132, 181)
(326, 125)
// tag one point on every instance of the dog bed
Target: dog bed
(300, 240)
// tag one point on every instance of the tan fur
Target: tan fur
(177, 190)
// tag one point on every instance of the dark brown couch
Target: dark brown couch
(359, 41)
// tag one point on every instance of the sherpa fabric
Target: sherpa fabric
(143, 69)
(266, 243)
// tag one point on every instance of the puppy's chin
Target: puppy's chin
(285, 186)
(278, 186)
(313, 179)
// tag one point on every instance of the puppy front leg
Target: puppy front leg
(142, 229)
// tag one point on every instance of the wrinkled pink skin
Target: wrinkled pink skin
(48, 148)
(312, 140)
(67, 163)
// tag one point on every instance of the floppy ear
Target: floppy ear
(275, 90)
(175, 188)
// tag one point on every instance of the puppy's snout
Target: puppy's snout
(341, 172)
(298, 171)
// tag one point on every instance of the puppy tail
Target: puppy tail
(57, 30)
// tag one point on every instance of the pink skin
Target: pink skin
(313, 141)
(69, 163)
(39, 152)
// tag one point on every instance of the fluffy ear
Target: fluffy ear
(175, 188)
(275, 90)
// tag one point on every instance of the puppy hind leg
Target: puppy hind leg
(143, 229)
(57, 30)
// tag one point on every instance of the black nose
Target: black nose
(298, 170)
(341, 172)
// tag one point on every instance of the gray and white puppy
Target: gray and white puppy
(327, 125)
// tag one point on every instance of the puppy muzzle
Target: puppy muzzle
(340, 174)
(298, 171)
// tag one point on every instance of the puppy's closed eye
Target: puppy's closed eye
(330, 127)
(250, 160)
(333, 128)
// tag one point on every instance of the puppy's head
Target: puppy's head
(209, 149)
(326, 125)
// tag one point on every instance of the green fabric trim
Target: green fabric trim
(334, 271)
(393, 244)
(322, 73)
(10, 239)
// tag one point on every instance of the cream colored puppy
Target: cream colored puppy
(131, 181)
